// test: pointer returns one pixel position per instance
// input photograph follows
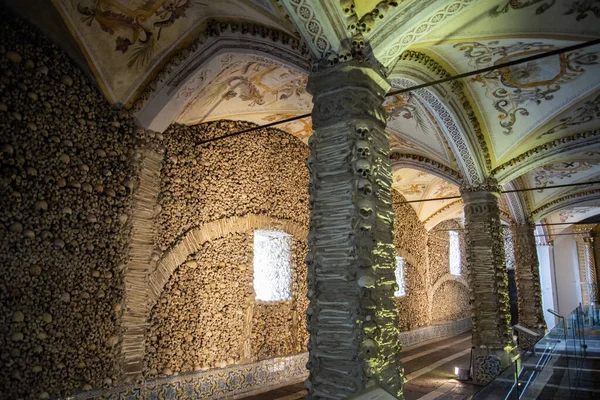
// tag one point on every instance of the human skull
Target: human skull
(363, 149)
(365, 187)
(363, 132)
(365, 226)
(358, 42)
(345, 55)
(369, 346)
(352, 22)
(363, 168)
(347, 6)
(381, 10)
(332, 59)
(367, 23)
(365, 208)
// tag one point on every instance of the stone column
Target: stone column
(527, 273)
(488, 282)
(352, 316)
(590, 270)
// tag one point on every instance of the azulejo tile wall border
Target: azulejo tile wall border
(415, 336)
(244, 380)
(225, 383)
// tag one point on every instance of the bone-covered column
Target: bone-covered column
(488, 281)
(527, 274)
(352, 317)
(590, 270)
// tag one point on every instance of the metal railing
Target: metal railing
(554, 363)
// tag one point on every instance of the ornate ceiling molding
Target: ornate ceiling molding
(456, 98)
(516, 204)
(393, 48)
(321, 23)
(422, 163)
(452, 125)
(570, 200)
(581, 145)
(161, 102)
(443, 214)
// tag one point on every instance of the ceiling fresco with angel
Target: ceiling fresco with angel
(247, 90)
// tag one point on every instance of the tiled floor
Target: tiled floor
(429, 369)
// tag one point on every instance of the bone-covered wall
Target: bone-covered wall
(410, 239)
(66, 181)
(449, 295)
(263, 172)
(207, 315)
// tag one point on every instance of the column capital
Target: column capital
(351, 90)
(488, 185)
(589, 240)
(353, 73)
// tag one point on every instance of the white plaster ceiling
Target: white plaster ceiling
(414, 130)
(253, 88)
(418, 185)
(570, 215)
(580, 116)
(522, 108)
(510, 18)
(559, 174)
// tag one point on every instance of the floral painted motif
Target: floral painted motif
(548, 174)
(588, 111)
(403, 106)
(445, 190)
(582, 8)
(301, 128)
(135, 29)
(515, 88)
(256, 84)
(413, 189)
(571, 215)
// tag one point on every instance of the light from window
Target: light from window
(400, 280)
(454, 253)
(272, 267)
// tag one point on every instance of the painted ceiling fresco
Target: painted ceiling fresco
(413, 129)
(515, 101)
(570, 215)
(252, 89)
(579, 117)
(125, 40)
(255, 89)
(417, 185)
(560, 174)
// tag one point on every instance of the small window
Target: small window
(400, 280)
(272, 267)
(454, 253)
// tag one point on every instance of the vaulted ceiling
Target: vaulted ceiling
(530, 126)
